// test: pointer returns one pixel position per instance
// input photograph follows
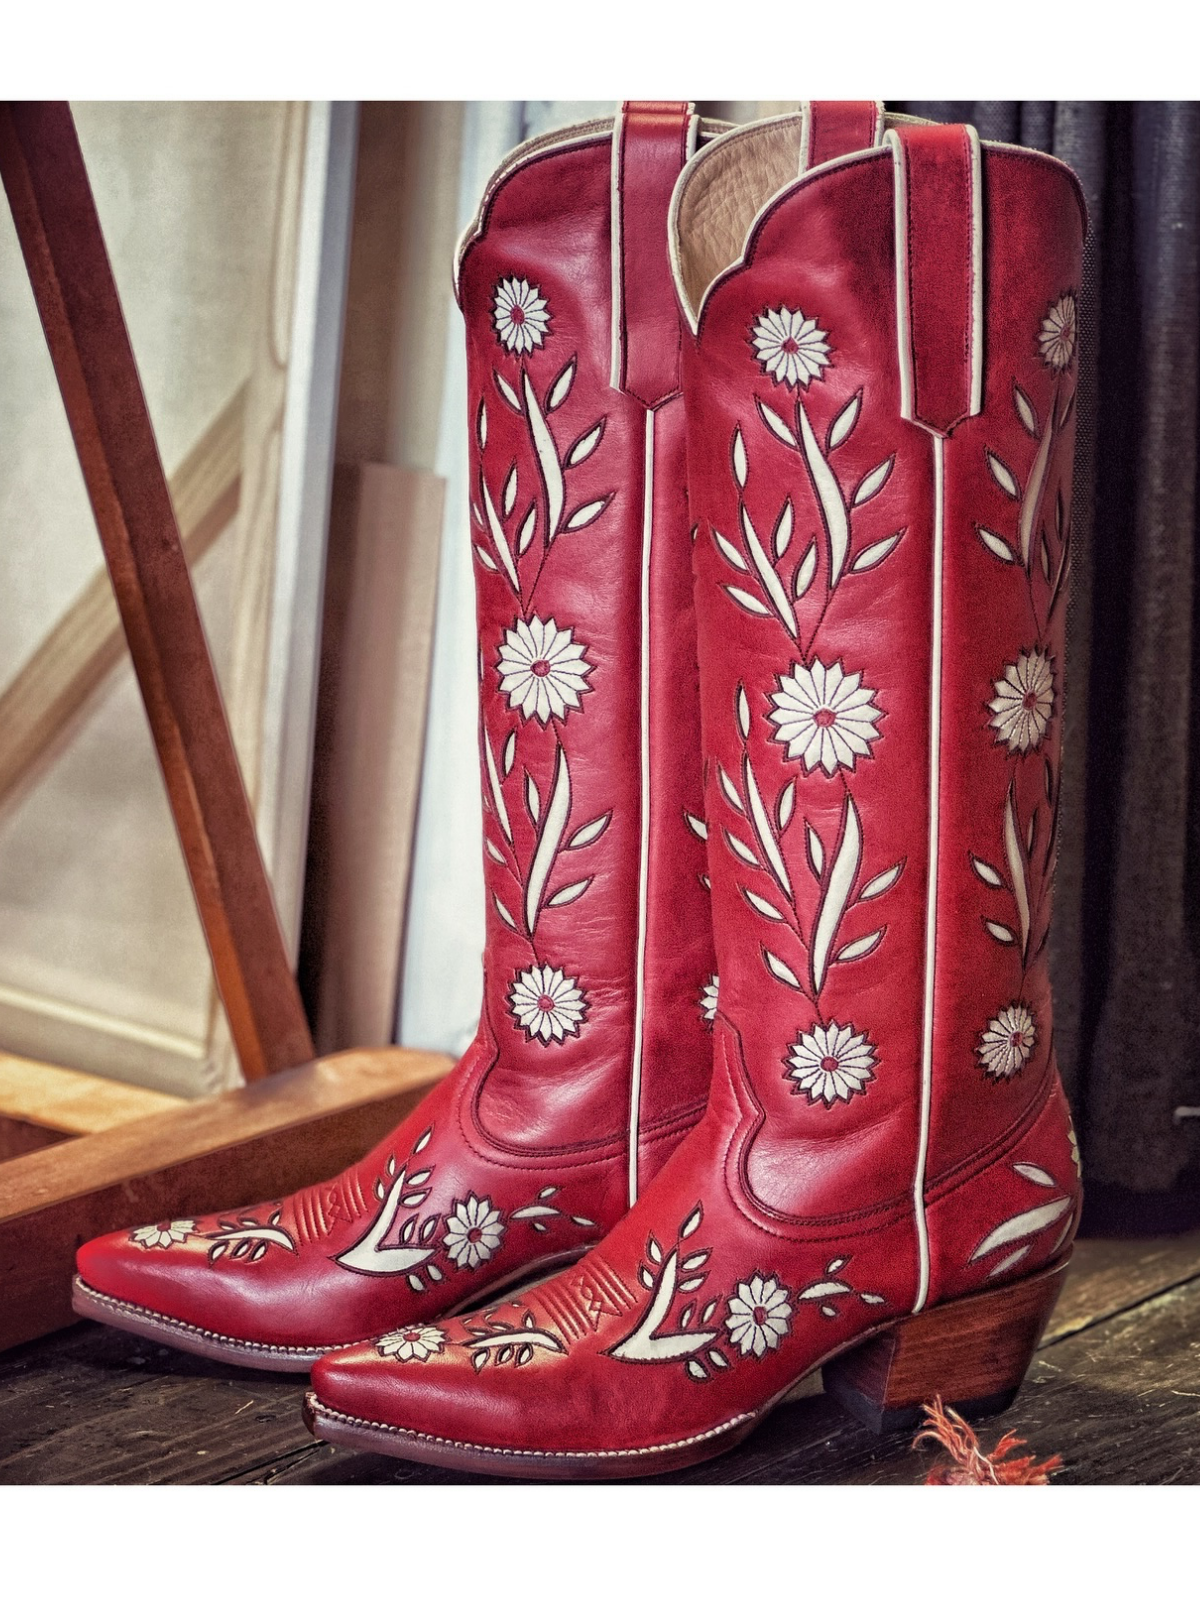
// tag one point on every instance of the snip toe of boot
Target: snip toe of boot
(172, 1292)
(163, 1280)
(398, 1398)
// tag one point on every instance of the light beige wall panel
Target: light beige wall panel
(185, 194)
(48, 544)
(95, 906)
(268, 295)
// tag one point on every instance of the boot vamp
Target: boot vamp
(690, 1316)
(426, 1221)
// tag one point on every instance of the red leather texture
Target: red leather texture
(939, 245)
(594, 1041)
(651, 142)
(880, 615)
(835, 127)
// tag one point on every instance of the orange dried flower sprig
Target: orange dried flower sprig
(968, 1463)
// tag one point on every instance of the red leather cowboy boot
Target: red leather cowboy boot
(879, 394)
(594, 1051)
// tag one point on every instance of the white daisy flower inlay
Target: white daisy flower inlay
(521, 315)
(412, 1344)
(759, 1313)
(1056, 339)
(473, 1232)
(547, 1004)
(162, 1235)
(542, 669)
(790, 347)
(1007, 1041)
(710, 998)
(825, 716)
(1024, 701)
(831, 1063)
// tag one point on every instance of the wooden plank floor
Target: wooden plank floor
(1115, 1390)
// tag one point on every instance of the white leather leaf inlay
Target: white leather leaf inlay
(748, 602)
(780, 969)
(844, 423)
(1003, 476)
(763, 907)
(562, 386)
(995, 543)
(989, 875)
(731, 552)
(1022, 1225)
(874, 482)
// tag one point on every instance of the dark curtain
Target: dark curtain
(1126, 943)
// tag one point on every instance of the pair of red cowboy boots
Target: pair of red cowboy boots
(798, 700)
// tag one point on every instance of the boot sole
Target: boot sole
(972, 1353)
(132, 1318)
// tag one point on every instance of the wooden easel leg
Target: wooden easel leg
(59, 231)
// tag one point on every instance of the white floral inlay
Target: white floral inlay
(759, 1313)
(162, 1235)
(412, 1344)
(542, 669)
(790, 346)
(825, 716)
(547, 1004)
(1024, 701)
(1007, 1041)
(521, 316)
(1076, 1158)
(832, 1063)
(1056, 339)
(710, 999)
(473, 1232)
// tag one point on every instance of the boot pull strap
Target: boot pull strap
(833, 128)
(652, 139)
(939, 273)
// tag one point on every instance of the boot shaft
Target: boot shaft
(880, 391)
(598, 934)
